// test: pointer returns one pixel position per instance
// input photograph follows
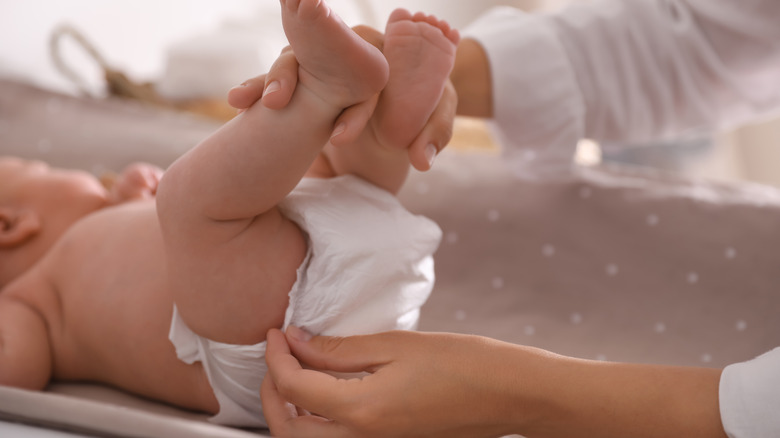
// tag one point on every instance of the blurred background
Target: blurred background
(198, 49)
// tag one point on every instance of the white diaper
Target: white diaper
(369, 268)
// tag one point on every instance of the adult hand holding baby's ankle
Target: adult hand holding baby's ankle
(275, 88)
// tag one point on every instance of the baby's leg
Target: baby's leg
(421, 51)
(217, 204)
(336, 64)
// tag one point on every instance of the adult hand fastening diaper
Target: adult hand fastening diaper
(369, 269)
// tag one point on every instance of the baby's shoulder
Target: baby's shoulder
(26, 359)
(32, 290)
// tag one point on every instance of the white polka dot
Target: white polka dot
(585, 192)
(498, 283)
(612, 269)
(730, 253)
(451, 237)
(44, 145)
(693, 278)
(548, 250)
(493, 215)
(423, 188)
(706, 358)
(576, 318)
(659, 327)
(460, 315)
(529, 330)
(741, 325)
(652, 220)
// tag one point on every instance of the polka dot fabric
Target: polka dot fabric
(98, 136)
(608, 263)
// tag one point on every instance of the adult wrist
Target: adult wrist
(472, 81)
(523, 397)
(608, 399)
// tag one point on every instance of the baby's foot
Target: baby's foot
(335, 63)
(421, 52)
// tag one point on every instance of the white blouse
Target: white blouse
(636, 70)
(628, 71)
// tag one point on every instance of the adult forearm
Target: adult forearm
(451, 385)
(573, 397)
(472, 81)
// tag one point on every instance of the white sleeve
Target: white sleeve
(628, 71)
(750, 397)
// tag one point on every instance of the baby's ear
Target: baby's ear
(17, 226)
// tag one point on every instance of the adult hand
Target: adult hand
(275, 89)
(447, 385)
(418, 384)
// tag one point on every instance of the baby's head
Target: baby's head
(37, 205)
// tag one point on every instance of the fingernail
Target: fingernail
(272, 88)
(338, 130)
(298, 334)
(430, 153)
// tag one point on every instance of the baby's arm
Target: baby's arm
(25, 357)
(137, 181)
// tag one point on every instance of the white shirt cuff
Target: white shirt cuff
(750, 397)
(538, 105)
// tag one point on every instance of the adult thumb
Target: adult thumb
(350, 354)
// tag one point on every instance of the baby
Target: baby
(260, 226)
